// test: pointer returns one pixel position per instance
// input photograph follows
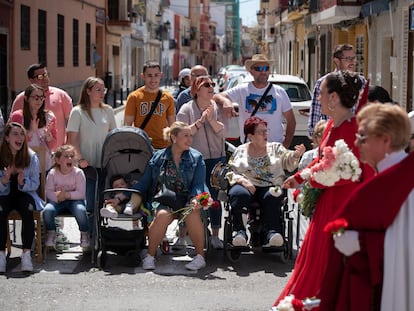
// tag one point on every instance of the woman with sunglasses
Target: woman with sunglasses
(373, 258)
(39, 123)
(339, 92)
(19, 181)
(207, 129)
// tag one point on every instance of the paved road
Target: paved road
(69, 281)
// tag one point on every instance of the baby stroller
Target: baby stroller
(253, 221)
(126, 151)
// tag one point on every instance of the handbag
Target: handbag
(170, 198)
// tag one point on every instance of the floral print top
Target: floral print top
(262, 171)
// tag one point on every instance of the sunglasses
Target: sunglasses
(209, 84)
(41, 76)
(261, 68)
(37, 97)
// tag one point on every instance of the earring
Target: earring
(330, 108)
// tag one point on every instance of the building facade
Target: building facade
(300, 35)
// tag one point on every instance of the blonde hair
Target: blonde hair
(318, 131)
(388, 119)
(174, 129)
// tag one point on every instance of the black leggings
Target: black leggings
(24, 204)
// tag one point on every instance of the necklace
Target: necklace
(255, 152)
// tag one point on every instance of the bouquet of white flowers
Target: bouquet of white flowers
(337, 163)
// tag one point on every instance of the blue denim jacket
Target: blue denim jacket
(192, 170)
(31, 181)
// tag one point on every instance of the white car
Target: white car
(301, 99)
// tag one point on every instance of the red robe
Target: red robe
(313, 256)
(356, 283)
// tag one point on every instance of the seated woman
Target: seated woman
(256, 167)
(181, 169)
(39, 123)
(19, 181)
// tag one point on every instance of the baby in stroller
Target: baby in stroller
(122, 201)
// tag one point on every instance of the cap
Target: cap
(183, 73)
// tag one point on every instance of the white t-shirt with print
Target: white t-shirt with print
(274, 105)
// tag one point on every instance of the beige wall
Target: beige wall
(67, 77)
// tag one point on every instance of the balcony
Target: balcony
(327, 12)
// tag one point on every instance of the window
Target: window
(60, 41)
(41, 35)
(75, 46)
(25, 27)
(88, 44)
(359, 53)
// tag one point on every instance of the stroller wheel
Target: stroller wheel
(133, 259)
(101, 260)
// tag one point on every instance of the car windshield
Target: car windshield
(296, 92)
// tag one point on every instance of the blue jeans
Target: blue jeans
(75, 207)
(214, 214)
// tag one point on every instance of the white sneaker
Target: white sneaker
(3, 261)
(148, 263)
(27, 265)
(216, 243)
(240, 239)
(129, 209)
(275, 240)
(179, 244)
(85, 242)
(108, 212)
(51, 238)
(198, 262)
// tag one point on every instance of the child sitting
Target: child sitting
(65, 190)
(121, 202)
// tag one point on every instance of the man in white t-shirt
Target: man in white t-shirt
(274, 107)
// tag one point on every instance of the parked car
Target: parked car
(300, 97)
(226, 73)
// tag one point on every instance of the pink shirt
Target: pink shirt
(74, 182)
(60, 103)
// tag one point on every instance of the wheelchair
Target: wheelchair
(253, 223)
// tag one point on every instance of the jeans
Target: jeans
(75, 207)
(270, 207)
(214, 214)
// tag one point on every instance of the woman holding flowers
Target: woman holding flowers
(338, 94)
(203, 115)
(181, 169)
(257, 167)
(379, 222)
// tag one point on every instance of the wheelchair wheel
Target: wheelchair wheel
(101, 260)
(232, 254)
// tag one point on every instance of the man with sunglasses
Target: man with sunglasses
(274, 106)
(344, 59)
(57, 100)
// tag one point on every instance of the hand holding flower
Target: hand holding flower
(276, 191)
